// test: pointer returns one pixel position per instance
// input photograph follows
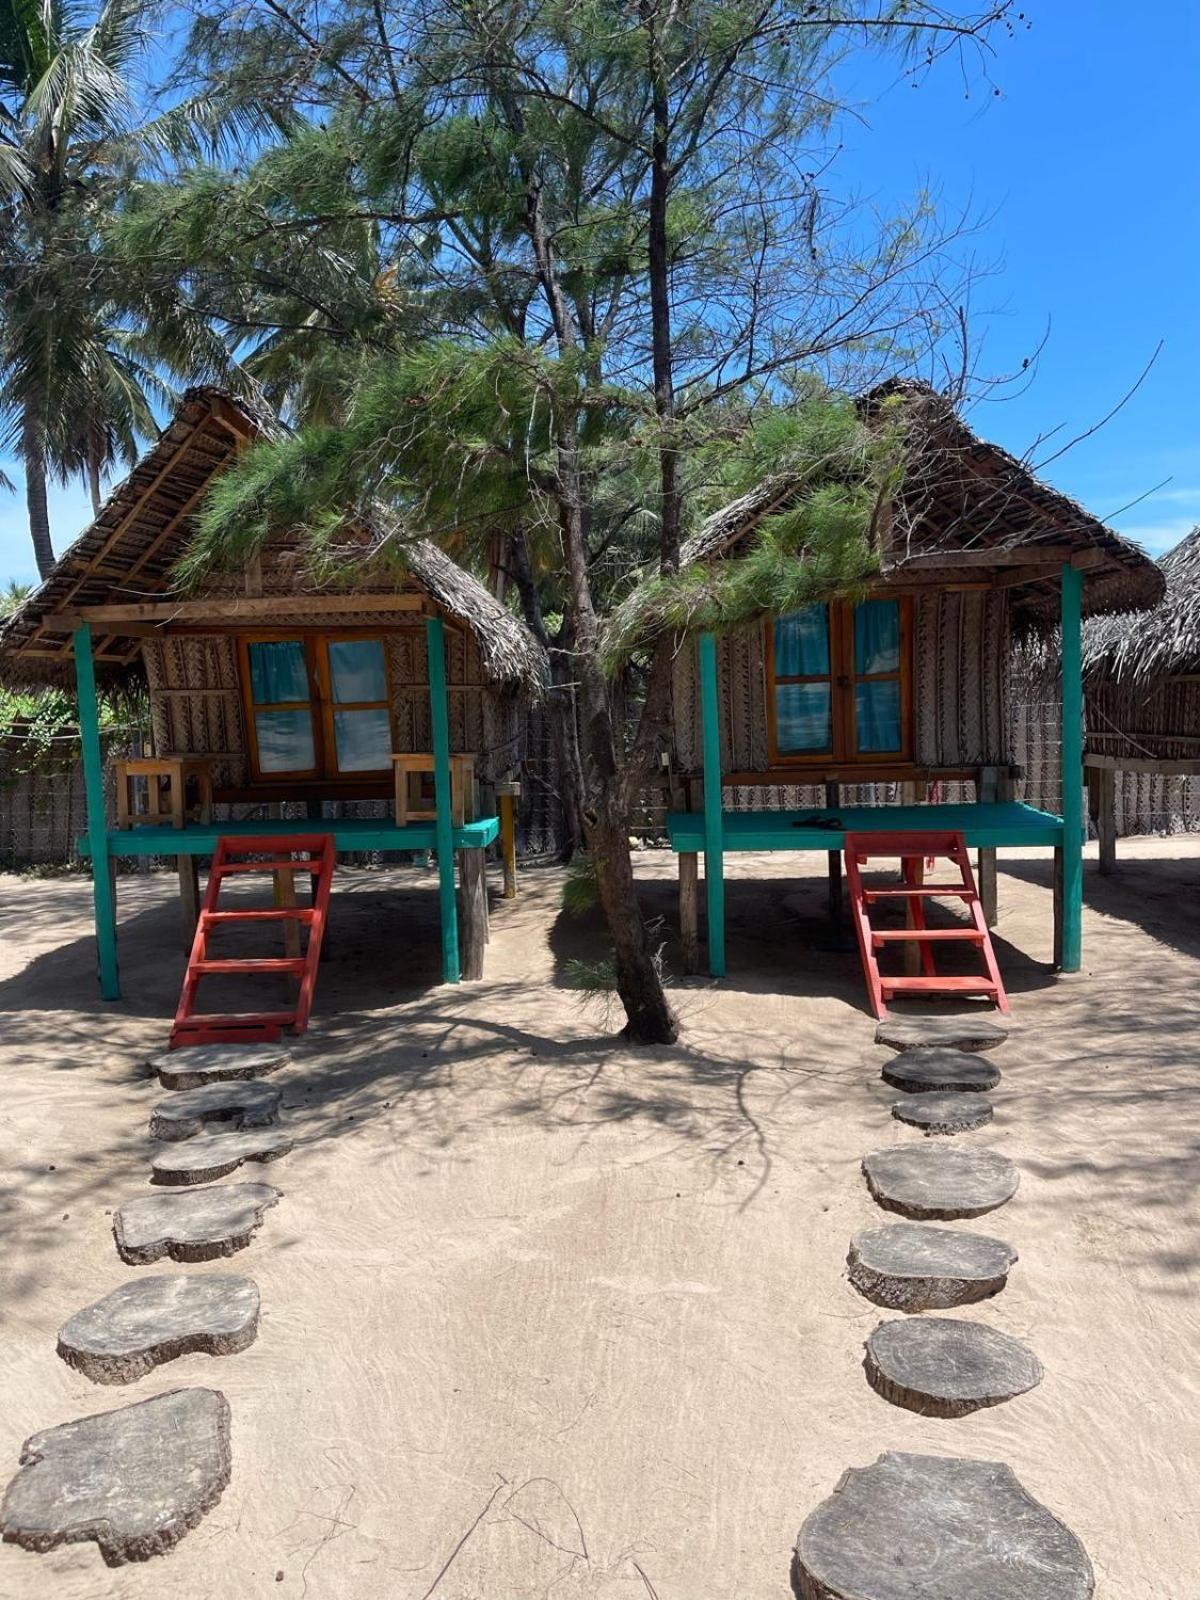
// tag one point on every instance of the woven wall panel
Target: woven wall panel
(195, 703)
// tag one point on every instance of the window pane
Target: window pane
(356, 670)
(802, 720)
(285, 741)
(877, 637)
(877, 716)
(278, 671)
(802, 643)
(364, 740)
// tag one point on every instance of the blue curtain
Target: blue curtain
(356, 670)
(802, 718)
(877, 716)
(802, 643)
(876, 637)
(278, 672)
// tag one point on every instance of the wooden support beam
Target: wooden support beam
(1072, 770)
(439, 716)
(987, 791)
(1106, 818)
(473, 912)
(228, 610)
(833, 799)
(714, 862)
(507, 794)
(1029, 555)
(189, 898)
(103, 867)
(689, 909)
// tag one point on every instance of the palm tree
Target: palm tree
(85, 347)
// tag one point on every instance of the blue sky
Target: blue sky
(1084, 172)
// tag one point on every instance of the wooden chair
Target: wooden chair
(415, 804)
(175, 772)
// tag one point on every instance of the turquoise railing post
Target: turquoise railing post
(1072, 769)
(97, 824)
(435, 648)
(714, 858)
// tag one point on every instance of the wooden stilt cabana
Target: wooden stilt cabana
(905, 691)
(399, 685)
(1142, 694)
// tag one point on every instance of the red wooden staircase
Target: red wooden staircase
(914, 849)
(233, 857)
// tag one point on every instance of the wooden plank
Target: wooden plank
(1072, 768)
(1011, 823)
(472, 912)
(228, 610)
(435, 646)
(1184, 767)
(351, 833)
(689, 909)
(103, 888)
(1029, 555)
(714, 864)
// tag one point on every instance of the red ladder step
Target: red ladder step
(237, 856)
(911, 849)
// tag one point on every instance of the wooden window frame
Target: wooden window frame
(842, 680)
(320, 706)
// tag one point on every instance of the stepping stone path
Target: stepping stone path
(936, 1182)
(956, 1033)
(913, 1527)
(217, 1063)
(909, 1267)
(944, 1367)
(944, 1113)
(209, 1156)
(142, 1324)
(241, 1105)
(135, 1480)
(193, 1225)
(939, 1072)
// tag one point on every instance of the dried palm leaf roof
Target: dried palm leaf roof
(129, 553)
(967, 508)
(1164, 643)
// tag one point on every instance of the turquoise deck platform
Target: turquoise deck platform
(200, 838)
(986, 826)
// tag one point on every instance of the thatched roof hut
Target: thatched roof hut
(1161, 644)
(127, 557)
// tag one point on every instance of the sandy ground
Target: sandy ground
(546, 1317)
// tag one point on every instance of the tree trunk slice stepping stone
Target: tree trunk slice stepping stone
(135, 1480)
(944, 1113)
(937, 1182)
(955, 1033)
(915, 1527)
(910, 1267)
(142, 1324)
(212, 1155)
(193, 1224)
(939, 1072)
(216, 1063)
(945, 1367)
(241, 1105)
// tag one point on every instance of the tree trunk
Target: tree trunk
(33, 454)
(94, 482)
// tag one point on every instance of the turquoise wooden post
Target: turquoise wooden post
(93, 784)
(435, 649)
(714, 858)
(1072, 769)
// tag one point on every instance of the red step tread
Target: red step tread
(919, 893)
(890, 935)
(249, 964)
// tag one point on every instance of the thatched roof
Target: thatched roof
(129, 553)
(1163, 643)
(968, 509)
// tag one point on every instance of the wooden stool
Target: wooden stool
(419, 807)
(177, 770)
